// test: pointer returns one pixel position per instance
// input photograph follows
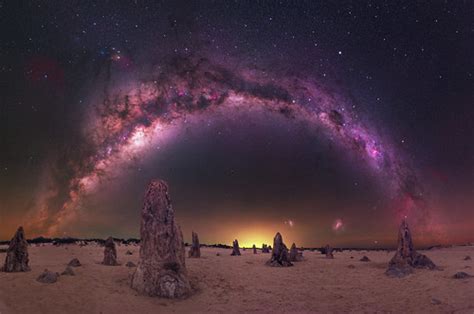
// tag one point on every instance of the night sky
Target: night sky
(328, 121)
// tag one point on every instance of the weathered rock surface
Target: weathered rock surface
(74, 263)
(48, 277)
(110, 253)
(365, 259)
(68, 272)
(280, 256)
(161, 270)
(235, 248)
(17, 253)
(295, 255)
(328, 251)
(195, 250)
(407, 258)
(254, 248)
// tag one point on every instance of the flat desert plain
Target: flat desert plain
(230, 284)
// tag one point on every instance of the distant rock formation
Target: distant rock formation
(74, 263)
(406, 258)
(295, 256)
(254, 248)
(280, 257)
(265, 249)
(48, 277)
(328, 251)
(17, 254)
(161, 270)
(110, 253)
(195, 250)
(68, 272)
(365, 259)
(235, 248)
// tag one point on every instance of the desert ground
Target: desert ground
(231, 284)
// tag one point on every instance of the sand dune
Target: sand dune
(242, 284)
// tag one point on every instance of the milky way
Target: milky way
(129, 116)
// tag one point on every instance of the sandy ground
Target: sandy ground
(242, 284)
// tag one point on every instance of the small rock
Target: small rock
(461, 275)
(74, 263)
(129, 252)
(365, 259)
(218, 254)
(48, 277)
(68, 272)
(435, 301)
(130, 264)
(351, 266)
(467, 258)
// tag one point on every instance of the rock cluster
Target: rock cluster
(235, 248)
(265, 248)
(407, 258)
(110, 253)
(295, 256)
(195, 250)
(161, 269)
(17, 253)
(280, 256)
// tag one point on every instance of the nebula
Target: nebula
(130, 116)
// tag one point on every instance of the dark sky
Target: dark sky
(326, 121)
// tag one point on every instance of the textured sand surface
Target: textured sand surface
(242, 284)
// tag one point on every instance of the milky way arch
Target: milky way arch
(132, 116)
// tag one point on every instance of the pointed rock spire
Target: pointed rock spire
(17, 253)
(280, 257)
(235, 248)
(406, 258)
(161, 269)
(110, 253)
(328, 251)
(195, 250)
